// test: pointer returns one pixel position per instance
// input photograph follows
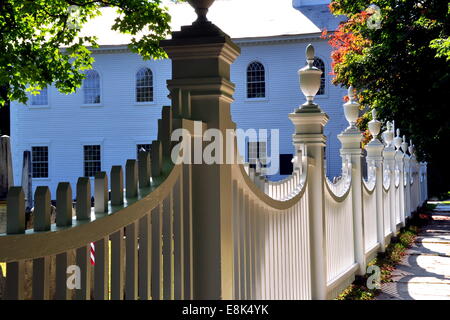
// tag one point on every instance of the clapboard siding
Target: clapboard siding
(118, 124)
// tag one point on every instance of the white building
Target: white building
(103, 123)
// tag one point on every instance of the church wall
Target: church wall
(119, 124)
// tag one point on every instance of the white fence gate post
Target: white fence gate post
(351, 148)
(309, 121)
(375, 154)
(389, 165)
(400, 163)
(406, 180)
(201, 57)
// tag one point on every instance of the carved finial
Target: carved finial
(351, 93)
(309, 78)
(389, 126)
(374, 125)
(411, 148)
(310, 54)
(351, 109)
(388, 135)
(404, 144)
(398, 140)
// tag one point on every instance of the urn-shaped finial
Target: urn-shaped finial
(351, 108)
(374, 125)
(398, 140)
(388, 135)
(309, 77)
(411, 147)
(404, 144)
(201, 8)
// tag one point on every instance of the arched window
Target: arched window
(40, 99)
(144, 85)
(91, 87)
(319, 64)
(256, 80)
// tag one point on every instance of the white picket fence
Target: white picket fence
(220, 231)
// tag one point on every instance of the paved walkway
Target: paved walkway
(424, 273)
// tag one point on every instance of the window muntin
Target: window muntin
(91, 88)
(39, 161)
(257, 150)
(256, 80)
(144, 85)
(319, 64)
(40, 99)
(92, 160)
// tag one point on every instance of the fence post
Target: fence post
(389, 163)
(83, 205)
(15, 224)
(309, 121)
(375, 154)
(117, 186)
(351, 149)
(414, 177)
(63, 219)
(406, 178)
(101, 194)
(201, 56)
(399, 161)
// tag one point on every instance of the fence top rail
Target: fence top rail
(333, 191)
(240, 175)
(369, 185)
(31, 244)
(338, 190)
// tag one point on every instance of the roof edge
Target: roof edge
(283, 38)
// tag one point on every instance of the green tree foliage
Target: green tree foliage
(40, 42)
(398, 59)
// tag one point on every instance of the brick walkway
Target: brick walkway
(424, 273)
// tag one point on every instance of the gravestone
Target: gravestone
(6, 178)
(26, 181)
(6, 171)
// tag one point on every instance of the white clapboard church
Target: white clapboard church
(116, 111)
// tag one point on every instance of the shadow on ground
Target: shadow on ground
(424, 272)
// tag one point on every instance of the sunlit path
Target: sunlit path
(424, 272)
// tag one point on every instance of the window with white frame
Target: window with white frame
(319, 64)
(39, 161)
(40, 99)
(92, 160)
(91, 88)
(142, 147)
(144, 85)
(257, 151)
(256, 80)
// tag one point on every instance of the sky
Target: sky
(238, 18)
